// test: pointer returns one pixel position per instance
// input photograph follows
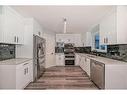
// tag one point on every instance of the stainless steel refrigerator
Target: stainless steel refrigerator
(38, 57)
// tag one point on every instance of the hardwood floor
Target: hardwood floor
(68, 77)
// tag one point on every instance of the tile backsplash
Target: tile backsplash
(118, 52)
(7, 51)
(82, 49)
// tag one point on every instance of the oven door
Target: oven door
(69, 61)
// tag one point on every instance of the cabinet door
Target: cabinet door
(85, 64)
(108, 33)
(19, 77)
(77, 40)
(81, 63)
(1, 24)
(68, 38)
(77, 59)
(9, 26)
(28, 72)
(60, 60)
(88, 66)
(59, 38)
(88, 39)
(12, 26)
(19, 29)
(121, 24)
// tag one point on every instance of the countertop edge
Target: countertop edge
(103, 59)
(15, 61)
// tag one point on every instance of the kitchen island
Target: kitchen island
(114, 71)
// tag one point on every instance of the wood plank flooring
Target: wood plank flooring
(63, 77)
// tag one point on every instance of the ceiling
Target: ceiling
(79, 18)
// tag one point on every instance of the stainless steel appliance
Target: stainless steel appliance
(97, 70)
(59, 44)
(69, 54)
(38, 56)
(59, 47)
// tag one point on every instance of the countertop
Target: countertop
(15, 61)
(104, 60)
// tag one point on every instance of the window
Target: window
(97, 46)
(97, 41)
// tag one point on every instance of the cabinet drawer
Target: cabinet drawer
(24, 64)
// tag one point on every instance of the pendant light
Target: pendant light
(65, 25)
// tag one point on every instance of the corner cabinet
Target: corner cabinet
(113, 28)
(11, 26)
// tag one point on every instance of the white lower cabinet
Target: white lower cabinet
(87, 66)
(77, 59)
(84, 63)
(16, 76)
(23, 74)
(60, 60)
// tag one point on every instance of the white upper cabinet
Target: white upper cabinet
(69, 38)
(108, 29)
(12, 26)
(77, 40)
(66, 38)
(88, 39)
(113, 28)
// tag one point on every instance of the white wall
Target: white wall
(37, 28)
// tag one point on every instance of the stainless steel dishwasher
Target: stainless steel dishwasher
(97, 71)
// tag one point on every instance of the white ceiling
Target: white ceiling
(79, 18)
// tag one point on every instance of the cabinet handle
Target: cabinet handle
(17, 39)
(106, 40)
(25, 71)
(25, 63)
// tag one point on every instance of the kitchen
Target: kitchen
(73, 48)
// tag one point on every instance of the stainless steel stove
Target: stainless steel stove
(69, 54)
